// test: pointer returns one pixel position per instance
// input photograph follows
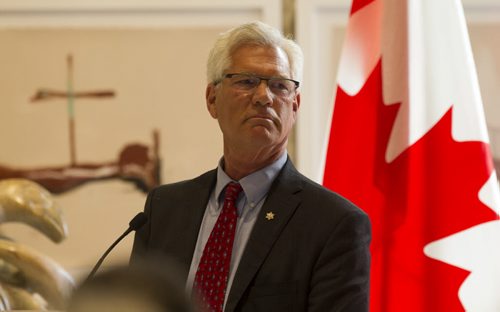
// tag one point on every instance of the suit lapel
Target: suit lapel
(282, 200)
(194, 208)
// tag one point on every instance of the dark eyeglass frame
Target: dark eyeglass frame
(231, 75)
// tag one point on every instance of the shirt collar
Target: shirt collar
(255, 185)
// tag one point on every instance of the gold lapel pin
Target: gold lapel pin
(269, 216)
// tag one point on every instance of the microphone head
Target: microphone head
(139, 220)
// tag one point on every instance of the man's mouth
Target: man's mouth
(266, 117)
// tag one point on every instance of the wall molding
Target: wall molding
(127, 13)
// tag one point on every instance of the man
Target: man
(255, 234)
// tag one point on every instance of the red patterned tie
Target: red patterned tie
(213, 271)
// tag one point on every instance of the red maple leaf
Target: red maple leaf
(428, 192)
(359, 4)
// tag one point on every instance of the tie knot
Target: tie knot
(233, 189)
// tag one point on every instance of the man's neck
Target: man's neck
(239, 165)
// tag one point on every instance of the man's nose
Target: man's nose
(262, 94)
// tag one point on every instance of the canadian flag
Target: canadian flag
(409, 145)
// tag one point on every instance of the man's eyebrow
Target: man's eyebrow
(257, 75)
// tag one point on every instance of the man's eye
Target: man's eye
(246, 82)
(281, 85)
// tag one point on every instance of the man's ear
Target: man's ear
(296, 105)
(210, 97)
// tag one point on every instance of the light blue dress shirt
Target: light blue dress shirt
(249, 203)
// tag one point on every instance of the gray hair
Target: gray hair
(257, 33)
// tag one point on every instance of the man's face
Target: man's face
(256, 119)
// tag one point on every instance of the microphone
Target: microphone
(136, 223)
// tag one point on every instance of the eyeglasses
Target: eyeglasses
(247, 82)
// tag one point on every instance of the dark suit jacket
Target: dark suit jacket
(313, 256)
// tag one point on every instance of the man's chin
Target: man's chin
(264, 132)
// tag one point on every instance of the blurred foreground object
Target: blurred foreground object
(29, 279)
(150, 286)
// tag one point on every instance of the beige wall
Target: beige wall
(485, 40)
(159, 77)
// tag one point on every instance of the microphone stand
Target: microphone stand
(137, 222)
